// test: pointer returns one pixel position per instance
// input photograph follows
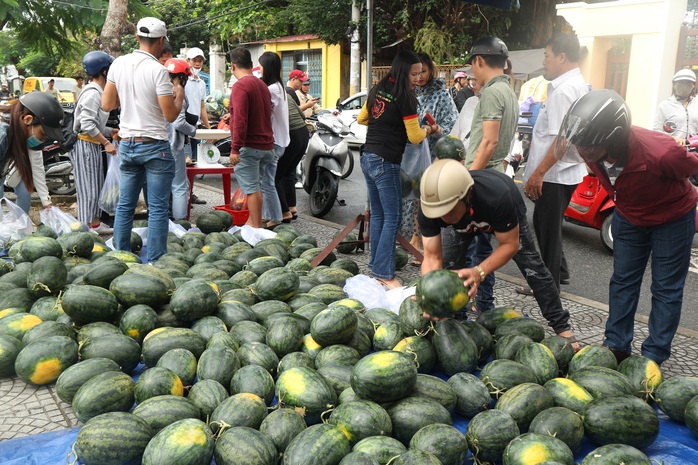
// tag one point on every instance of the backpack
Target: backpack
(69, 135)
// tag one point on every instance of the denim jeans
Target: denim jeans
(180, 186)
(455, 256)
(670, 247)
(155, 164)
(271, 206)
(385, 196)
(479, 250)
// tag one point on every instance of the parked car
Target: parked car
(348, 110)
(40, 84)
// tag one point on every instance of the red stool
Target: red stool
(224, 171)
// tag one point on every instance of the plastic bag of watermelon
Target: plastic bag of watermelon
(58, 220)
(14, 224)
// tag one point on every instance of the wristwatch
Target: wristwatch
(481, 271)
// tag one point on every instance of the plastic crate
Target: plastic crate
(239, 216)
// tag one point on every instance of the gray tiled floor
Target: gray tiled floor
(27, 410)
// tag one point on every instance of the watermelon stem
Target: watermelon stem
(413, 354)
(72, 452)
(222, 428)
(322, 415)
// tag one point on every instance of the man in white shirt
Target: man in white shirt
(195, 90)
(77, 89)
(141, 86)
(549, 182)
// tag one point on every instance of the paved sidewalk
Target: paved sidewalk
(27, 410)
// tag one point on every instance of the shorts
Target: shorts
(250, 168)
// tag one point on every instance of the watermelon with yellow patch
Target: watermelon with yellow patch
(187, 441)
(17, 324)
(534, 448)
(305, 388)
(569, 394)
(43, 361)
(158, 381)
(441, 293)
(644, 373)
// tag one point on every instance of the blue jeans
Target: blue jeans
(271, 206)
(155, 164)
(670, 247)
(180, 186)
(385, 195)
(479, 250)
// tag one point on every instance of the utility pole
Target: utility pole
(369, 44)
(355, 68)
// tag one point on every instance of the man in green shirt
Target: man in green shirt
(494, 122)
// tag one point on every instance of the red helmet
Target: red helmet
(178, 66)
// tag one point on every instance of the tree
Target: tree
(114, 25)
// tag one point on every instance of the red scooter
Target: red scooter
(591, 206)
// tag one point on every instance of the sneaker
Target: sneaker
(197, 201)
(299, 185)
(102, 229)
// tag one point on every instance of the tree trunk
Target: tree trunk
(114, 24)
(543, 16)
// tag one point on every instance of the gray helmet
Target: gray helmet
(599, 118)
(488, 46)
(47, 111)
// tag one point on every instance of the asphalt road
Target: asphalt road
(590, 263)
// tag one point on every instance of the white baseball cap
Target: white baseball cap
(151, 27)
(195, 52)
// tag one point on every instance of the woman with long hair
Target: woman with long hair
(298, 135)
(391, 115)
(34, 118)
(91, 127)
(270, 65)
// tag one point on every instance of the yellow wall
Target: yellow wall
(653, 26)
(331, 65)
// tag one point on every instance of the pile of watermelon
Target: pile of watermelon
(249, 355)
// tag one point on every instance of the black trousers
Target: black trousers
(538, 277)
(285, 178)
(547, 223)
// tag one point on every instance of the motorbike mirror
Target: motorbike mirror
(339, 104)
(669, 127)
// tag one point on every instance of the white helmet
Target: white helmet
(684, 75)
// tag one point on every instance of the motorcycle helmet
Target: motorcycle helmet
(488, 46)
(459, 75)
(684, 75)
(178, 66)
(442, 186)
(95, 62)
(47, 111)
(598, 119)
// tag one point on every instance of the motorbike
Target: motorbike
(60, 179)
(321, 166)
(522, 143)
(593, 207)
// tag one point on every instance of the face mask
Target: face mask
(33, 141)
(195, 71)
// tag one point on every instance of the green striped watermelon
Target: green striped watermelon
(207, 395)
(536, 448)
(361, 419)
(114, 438)
(410, 414)
(539, 359)
(282, 425)
(157, 381)
(502, 374)
(561, 423)
(472, 395)
(384, 376)
(187, 441)
(305, 388)
(644, 373)
(253, 379)
(568, 394)
(455, 349)
(162, 411)
(43, 361)
(242, 444)
(523, 402)
(76, 375)
(333, 326)
(673, 395)
(380, 448)
(107, 392)
(603, 415)
(616, 453)
(488, 434)
(445, 442)
(182, 362)
(244, 409)
(593, 356)
(219, 363)
(603, 382)
(322, 444)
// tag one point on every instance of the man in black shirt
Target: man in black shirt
(485, 201)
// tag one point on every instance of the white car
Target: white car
(348, 112)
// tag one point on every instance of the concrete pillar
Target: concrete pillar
(217, 68)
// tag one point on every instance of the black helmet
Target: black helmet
(599, 118)
(94, 62)
(47, 111)
(488, 46)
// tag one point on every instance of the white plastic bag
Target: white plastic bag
(110, 190)
(14, 224)
(253, 235)
(57, 219)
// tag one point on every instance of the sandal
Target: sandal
(525, 290)
(416, 263)
(573, 342)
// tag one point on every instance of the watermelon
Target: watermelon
(328, 293)
(593, 356)
(95, 330)
(523, 402)
(157, 381)
(562, 423)
(87, 304)
(256, 353)
(242, 409)
(539, 359)
(472, 395)
(43, 361)
(104, 273)
(568, 394)
(209, 223)
(265, 263)
(161, 340)
(691, 415)
(616, 453)
(331, 275)
(488, 434)
(346, 264)
(138, 321)
(348, 244)
(301, 299)
(47, 329)
(122, 349)
(322, 444)
(9, 349)
(16, 325)
(132, 289)
(34, 247)
(603, 382)
(47, 308)
(361, 419)
(187, 441)
(384, 376)
(507, 346)
(231, 312)
(387, 336)
(492, 318)
(246, 445)
(76, 375)
(410, 414)
(276, 284)
(482, 338)
(218, 363)
(449, 146)
(673, 395)
(455, 349)
(435, 388)
(114, 438)
(305, 388)
(380, 448)
(445, 442)
(47, 276)
(310, 347)
(441, 293)
(207, 395)
(248, 331)
(337, 353)
(381, 315)
(194, 300)
(333, 326)
(282, 425)
(421, 349)
(245, 296)
(561, 348)
(253, 379)
(111, 391)
(285, 336)
(295, 359)
(524, 326)
(416, 457)
(645, 374)
(337, 375)
(161, 411)
(182, 362)
(412, 320)
(603, 415)
(358, 458)
(532, 448)
(266, 308)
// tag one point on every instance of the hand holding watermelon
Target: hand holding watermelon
(441, 293)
